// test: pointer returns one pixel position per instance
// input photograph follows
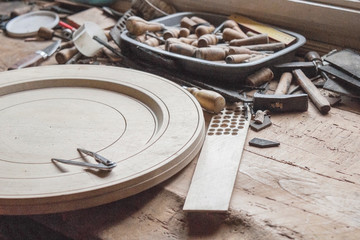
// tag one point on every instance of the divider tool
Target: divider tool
(103, 163)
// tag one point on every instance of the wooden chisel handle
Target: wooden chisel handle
(64, 55)
(319, 100)
(284, 84)
(137, 26)
(209, 100)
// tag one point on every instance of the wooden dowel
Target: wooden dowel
(284, 84)
(257, 39)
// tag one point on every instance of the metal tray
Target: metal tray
(207, 70)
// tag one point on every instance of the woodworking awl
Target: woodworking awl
(37, 57)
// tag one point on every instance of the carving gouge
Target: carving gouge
(37, 56)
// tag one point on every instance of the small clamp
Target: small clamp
(103, 163)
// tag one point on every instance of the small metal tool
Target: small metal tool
(263, 143)
(37, 57)
(103, 163)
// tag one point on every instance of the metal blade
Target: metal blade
(49, 50)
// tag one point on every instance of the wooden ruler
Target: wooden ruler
(262, 28)
(216, 170)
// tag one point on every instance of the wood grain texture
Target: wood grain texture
(214, 177)
(127, 116)
(307, 188)
(323, 23)
(95, 15)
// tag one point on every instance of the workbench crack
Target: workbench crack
(305, 168)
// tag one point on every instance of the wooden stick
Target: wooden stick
(284, 84)
(257, 39)
(315, 95)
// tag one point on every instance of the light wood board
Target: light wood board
(151, 127)
(95, 15)
(216, 170)
(264, 29)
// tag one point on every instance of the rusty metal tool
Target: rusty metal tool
(280, 101)
(311, 67)
(263, 143)
(347, 61)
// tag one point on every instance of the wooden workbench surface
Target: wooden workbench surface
(307, 188)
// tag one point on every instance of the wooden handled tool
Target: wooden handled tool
(182, 49)
(257, 39)
(137, 26)
(267, 47)
(230, 34)
(211, 53)
(280, 101)
(315, 58)
(284, 84)
(237, 58)
(65, 55)
(186, 22)
(209, 100)
(48, 34)
(260, 77)
(207, 40)
(37, 57)
(202, 30)
(319, 100)
(233, 25)
(281, 89)
(171, 33)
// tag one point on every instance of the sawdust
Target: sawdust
(153, 214)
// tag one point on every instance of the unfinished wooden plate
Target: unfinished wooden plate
(149, 126)
(28, 24)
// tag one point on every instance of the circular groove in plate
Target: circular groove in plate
(150, 126)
